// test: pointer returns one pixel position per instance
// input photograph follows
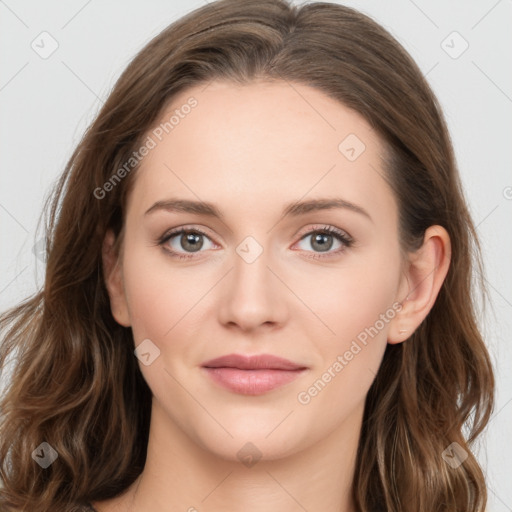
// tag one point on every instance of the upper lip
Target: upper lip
(254, 362)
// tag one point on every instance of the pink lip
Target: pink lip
(252, 375)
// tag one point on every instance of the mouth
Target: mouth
(252, 375)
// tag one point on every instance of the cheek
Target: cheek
(351, 299)
(156, 297)
(161, 307)
(357, 304)
(350, 359)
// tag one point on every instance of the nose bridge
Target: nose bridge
(252, 296)
(251, 274)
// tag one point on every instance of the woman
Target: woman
(257, 293)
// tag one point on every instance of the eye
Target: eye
(322, 240)
(183, 242)
(190, 240)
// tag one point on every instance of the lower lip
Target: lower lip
(252, 382)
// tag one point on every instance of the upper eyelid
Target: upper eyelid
(179, 230)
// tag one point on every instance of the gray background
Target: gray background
(46, 103)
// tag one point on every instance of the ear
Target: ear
(424, 273)
(114, 282)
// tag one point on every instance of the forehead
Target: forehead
(258, 144)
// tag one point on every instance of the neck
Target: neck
(181, 475)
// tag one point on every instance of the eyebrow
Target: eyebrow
(294, 209)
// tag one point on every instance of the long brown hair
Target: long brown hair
(76, 383)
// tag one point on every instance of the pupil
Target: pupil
(320, 238)
(191, 240)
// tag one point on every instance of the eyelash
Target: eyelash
(341, 236)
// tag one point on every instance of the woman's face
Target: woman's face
(255, 281)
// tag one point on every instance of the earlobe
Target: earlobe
(114, 283)
(423, 277)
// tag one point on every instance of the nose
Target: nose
(252, 295)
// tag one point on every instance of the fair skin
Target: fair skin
(251, 150)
